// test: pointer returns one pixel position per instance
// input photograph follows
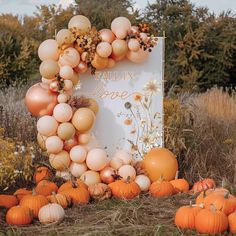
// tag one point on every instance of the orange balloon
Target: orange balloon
(40, 100)
(160, 162)
(83, 119)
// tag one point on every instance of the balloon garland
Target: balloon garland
(64, 121)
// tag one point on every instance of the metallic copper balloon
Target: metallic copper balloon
(40, 100)
(107, 35)
(108, 174)
(81, 68)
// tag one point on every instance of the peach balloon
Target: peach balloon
(49, 69)
(69, 144)
(93, 105)
(90, 177)
(117, 58)
(66, 131)
(40, 100)
(54, 144)
(116, 163)
(144, 182)
(93, 143)
(104, 49)
(78, 154)
(119, 47)
(107, 175)
(111, 63)
(65, 37)
(48, 49)
(81, 23)
(77, 169)
(133, 45)
(66, 72)
(120, 23)
(81, 68)
(84, 56)
(46, 81)
(62, 98)
(60, 161)
(126, 171)
(137, 57)
(124, 156)
(47, 125)
(99, 62)
(121, 33)
(62, 112)
(70, 57)
(83, 119)
(68, 85)
(75, 79)
(96, 159)
(107, 35)
(54, 86)
(84, 138)
(41, 141)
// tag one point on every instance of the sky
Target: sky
(29, 6)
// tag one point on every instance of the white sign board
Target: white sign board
(130, 97)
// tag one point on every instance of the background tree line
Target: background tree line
(200, 46)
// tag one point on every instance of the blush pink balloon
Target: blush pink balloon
(66, 72)
(48, 49)
(54, 144)
(68, 85)
(47, 126)
(77, 169)
(96, 159)
(81, 68)
(62, 112)
(121, 33)
(78, 154)
(70, 57)
(84, 138)
(133, 45)
(104, 49)
(120, 23)
(127, 171)
(107, 35)
(69, 144)
(40, 100)
(137, 57)
(111, 63)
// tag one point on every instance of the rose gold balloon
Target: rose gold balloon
(99, 62)
(119, 47)
(68, 144)
(84, 138)
(54, 86)
(81, 68)
(54, 144)
(107, 175)
(104, 49)
(137, 57)
(111, 63)
(107, 35)
(133, 45)
(40, 100)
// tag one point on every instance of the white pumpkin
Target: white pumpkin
(143, 182)
(51, 213)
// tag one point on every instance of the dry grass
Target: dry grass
(141, 216)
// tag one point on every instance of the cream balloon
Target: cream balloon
(116, 163)
(120, 23)
(65, 37)
(90, 177)
(133, 45)
(70, 57)
(77, 169)
(137, 57)
(60, 161)
(62, 98)
(104, 49)
(54, 144)
(62, 112)
(78, 154)
(66, 131)
(66, 72)
(93, 143)
(84, 138)
(49, 69)
(127, 171)
(107, 35)
(121, 33)
(47, 125)
(119, 47)
(48, 49)
(80, 23)
(144, 182)
(68, 85)
(96, 159)
(124, 156)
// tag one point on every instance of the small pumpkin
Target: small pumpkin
(21, 192)
(19, 215)
(60, 199)
(185, 216)
(202, 196)
(203, 185)
(161, 188)
(46, 188)
(180, 185)
(51, 213)
(70, 184)
(125, 189)
(8, 201)
(42, 173)
(211, 221)
(232, 222)
(34, 202)
(99, 191)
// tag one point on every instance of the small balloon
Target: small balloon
(48, 49)
(68, 144)
(84, 138)
(65, 37)
(66, 72)
(47, 126)
(62, 112)
(107, 35)
(49, 69)
(81, 68)
(68, 85)
(133, 45)
(111, 63)
(66, 131)
(80, 23)
(77, 169)
(104, 49)
(78, 154)
(54, 86)
(119, 47)
(62, 98)
(70, 57)
(54, 144)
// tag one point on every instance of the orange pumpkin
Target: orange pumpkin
(8, 201)
(185, 216)
(99, 191)
(232, 222)
(211, 221)
(21, 192)
(160, 162)
(202, 196)
(19, 215)
(125, 189)
(71, 184)
(180, 185)
(42, 173)
(34, 202)
(161, 188)
(203, 185)
(60, 199)
(46, 188)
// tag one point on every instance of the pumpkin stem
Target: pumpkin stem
(74, 184)
(128, 180)
(190, 204)
(177, 174)
(226, 195)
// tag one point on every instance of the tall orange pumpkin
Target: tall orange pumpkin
(160, 162)
(8, 201)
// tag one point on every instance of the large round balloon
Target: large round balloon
(47, 125)
(118, 24)
(49, 69)
(137, 56)
(96, 159)
(40, 100)
(104, 49)
(81, 23)
(60, 161)
(62, 112)
(54, 144)
(66, 131)
(99, 62)
(107, 35)
(160, 162)
(70, 57)
(119, 47)
(48, 49)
